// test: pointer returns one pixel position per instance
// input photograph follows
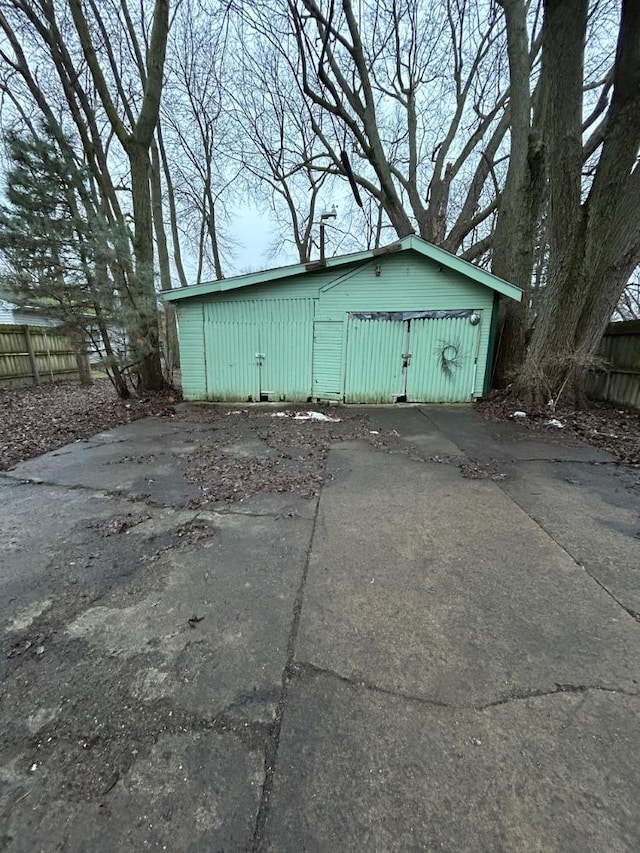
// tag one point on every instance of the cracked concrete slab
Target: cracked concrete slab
(238, 589)
(406, 428)
(488, 440)
(418, 665)
(443, 588)
(43, 529)
(145, 459)
(141, 644)
(193, 792)
(592, 513)
(358, 770)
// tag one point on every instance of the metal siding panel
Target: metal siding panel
(328, 373)
(279, 330)
(409, 282)
(286, 342)
(374, 361)
(427, 379)
(303, 287)
(231, 347)
(192, 350)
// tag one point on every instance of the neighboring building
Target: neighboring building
(409, 322)
(11, 315)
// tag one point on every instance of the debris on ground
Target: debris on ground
(471, 470)
(291, 452)
(607, 427)
(37, 420)
(119, 523)
(306, 416)
(554, 422)
(26, 643)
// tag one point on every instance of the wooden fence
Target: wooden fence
(31, 355)
(619, 383)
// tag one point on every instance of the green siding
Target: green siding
(443, 353)
(301, 287)
(258, 348)
(291, 339)
(374, 372)
(286, 342)
(408, 282)
(327, 359)
(387, 360)
(416, 245)
(231, 347)
(190, 318)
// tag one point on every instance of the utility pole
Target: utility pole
(330, 214)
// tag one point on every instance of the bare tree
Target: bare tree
(51, 83)
(69, 83)
(276, 147)
(521, 196)
(136, 137)
(197, 132)
(629, 304)
(412, 131)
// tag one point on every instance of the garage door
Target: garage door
(259, 350)
(418, 356)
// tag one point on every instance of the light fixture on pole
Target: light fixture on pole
(329, 214)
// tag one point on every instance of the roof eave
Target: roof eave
(427, 250)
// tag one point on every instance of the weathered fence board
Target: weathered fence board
(30, 355)
(619, 383)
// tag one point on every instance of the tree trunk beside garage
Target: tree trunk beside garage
(170, 330)
(595, 244)
(136, 142)
(513, 239)
(146, 336)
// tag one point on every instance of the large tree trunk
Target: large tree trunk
(173, 216)
(170, 330)
(119, 382)
(82, 359)
(136, 141)
(519, 208)
(146, 337)
(594, 246)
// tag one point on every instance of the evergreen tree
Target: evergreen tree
(59, 252)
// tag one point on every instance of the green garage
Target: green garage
(408, 322)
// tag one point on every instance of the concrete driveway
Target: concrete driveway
(441, 651)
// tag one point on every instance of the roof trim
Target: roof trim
(417, 244)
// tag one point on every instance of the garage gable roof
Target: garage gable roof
(413, 243)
